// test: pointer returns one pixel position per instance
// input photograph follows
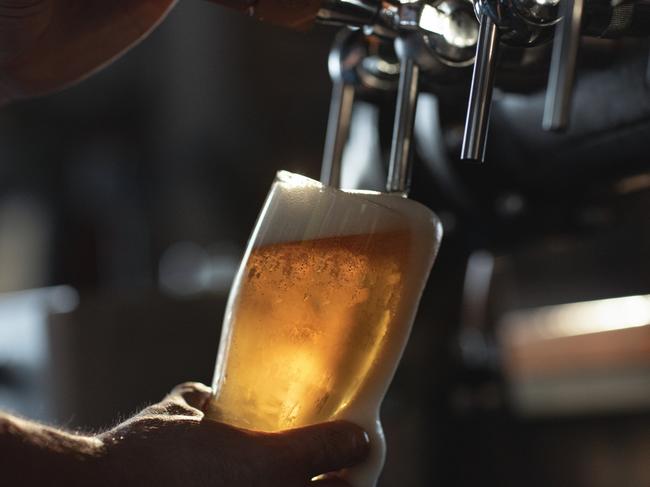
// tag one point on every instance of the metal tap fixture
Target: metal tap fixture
(430, 38)
(356, 61)
(391, 18)
(516, 22)
(446, 42)
(342, 62)
(399, 165)
(435, 36)
(607, 19)
(529, 22)
(563, 64)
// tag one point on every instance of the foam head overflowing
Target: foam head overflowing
(307, 210)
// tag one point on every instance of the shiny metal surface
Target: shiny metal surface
(338, 129)
(399, 169)
(538, 11)
(480, 96)
(451, 30)
(356, 61)
(366, 61)
(557, 107)
(410, 14)
(445, 44)
(346, 55)
(446, 18)
(520, 22)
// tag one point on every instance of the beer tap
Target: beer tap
(399, 166)
(433, 39)
(441, 38)
(557, 105)
(522, 23)
(515, 22)
(343, 58)
(597, 18)
(392, 18)
(382, 16)
(357, 61)
(480, 95)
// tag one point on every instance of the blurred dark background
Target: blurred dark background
(126, 202)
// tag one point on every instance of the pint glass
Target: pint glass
(321, 309)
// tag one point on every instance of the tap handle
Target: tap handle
(399, 167)
(557, 107)
(338, 129)
(480, 95)
(347, 52)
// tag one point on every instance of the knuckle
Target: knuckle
(187, 403)
(190, 390)
(185, 387)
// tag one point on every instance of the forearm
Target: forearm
(33, 455)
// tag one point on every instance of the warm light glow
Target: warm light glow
(578, 318)
(310, 322)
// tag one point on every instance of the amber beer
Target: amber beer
(306, 314)
(321, 309)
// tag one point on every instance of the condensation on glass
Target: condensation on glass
(321, 309)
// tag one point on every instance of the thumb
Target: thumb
(322, 448)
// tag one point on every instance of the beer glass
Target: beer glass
(321, 309)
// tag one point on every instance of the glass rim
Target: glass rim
(292, 178)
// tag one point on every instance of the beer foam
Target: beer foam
(309, 210)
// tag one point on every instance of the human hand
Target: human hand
(171, 444)
(46, 45)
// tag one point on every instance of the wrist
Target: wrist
(37, 454)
